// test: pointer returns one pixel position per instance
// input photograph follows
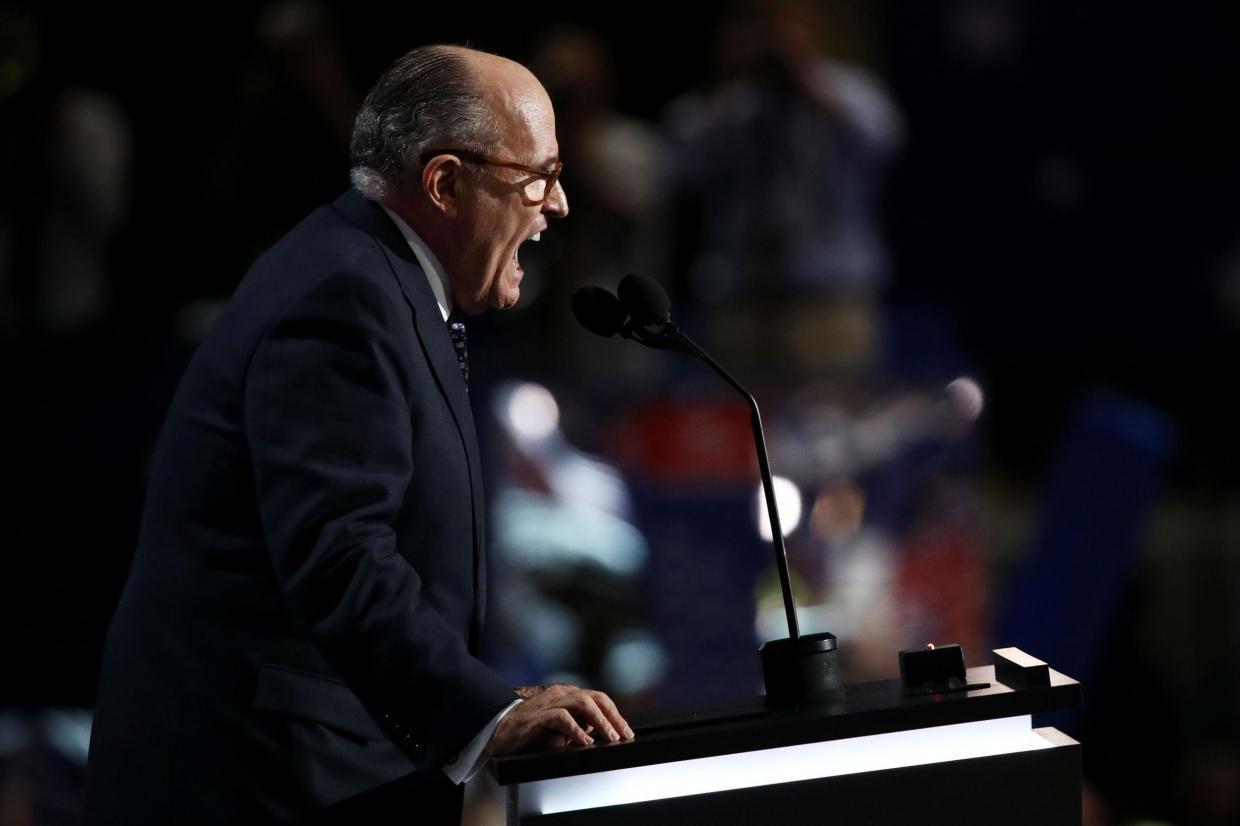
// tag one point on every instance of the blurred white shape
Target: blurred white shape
(532, 412)
(828, 441)
(635, 662)
(787, 500)
(771, 621)
(966, 396)
(582, 481)
(68, 729)
(540, 534)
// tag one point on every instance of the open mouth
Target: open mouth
(516, 262)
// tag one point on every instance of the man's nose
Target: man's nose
(557, 202)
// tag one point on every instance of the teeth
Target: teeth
(536, 236)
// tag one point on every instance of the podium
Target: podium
(872, 756)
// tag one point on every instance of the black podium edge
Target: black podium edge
(833, 720)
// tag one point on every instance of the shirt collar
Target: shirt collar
(435, 274)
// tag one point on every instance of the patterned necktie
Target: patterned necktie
(456, 331)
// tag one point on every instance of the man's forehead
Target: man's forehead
(520, 102)
(529, 124)
(523, 98)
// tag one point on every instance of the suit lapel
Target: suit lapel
(437, 346)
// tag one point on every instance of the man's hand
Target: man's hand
(557, 716)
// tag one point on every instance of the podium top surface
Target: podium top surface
(864, 709)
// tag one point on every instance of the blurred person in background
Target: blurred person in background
(299, 631)
(66, 152)
(778, 172)
(619, 197)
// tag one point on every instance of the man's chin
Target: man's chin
(506, 301)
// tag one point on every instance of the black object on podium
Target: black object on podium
(871, 755)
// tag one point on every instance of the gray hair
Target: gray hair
(429, 96)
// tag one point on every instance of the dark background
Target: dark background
(1067, 205)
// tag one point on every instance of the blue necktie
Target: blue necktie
(456, 331)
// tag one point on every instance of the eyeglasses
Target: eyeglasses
(536, 189)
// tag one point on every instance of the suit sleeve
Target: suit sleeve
(328, 414)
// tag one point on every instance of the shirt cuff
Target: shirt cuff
(471, 758)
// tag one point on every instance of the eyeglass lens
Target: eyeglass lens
(536, 189)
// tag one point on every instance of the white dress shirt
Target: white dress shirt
(435, 273)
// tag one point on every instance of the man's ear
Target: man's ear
(441, 181)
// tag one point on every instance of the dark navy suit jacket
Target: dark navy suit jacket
(300, 622)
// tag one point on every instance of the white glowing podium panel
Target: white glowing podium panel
(873, 757)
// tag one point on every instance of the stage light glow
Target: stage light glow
(788, 500)
(967, 397)
(635, 662)
(532, 412)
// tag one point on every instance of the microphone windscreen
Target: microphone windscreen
(644, 299)
(598, 311)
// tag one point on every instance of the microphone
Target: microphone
(645, 300)
(599, 311)
(641, 313)
(797, 669)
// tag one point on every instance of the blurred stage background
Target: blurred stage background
(851, 203)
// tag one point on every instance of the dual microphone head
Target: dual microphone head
(639, 311)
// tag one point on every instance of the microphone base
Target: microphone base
(801, 671)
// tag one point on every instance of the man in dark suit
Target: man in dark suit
(298, 635)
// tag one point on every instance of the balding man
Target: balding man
(298, 635)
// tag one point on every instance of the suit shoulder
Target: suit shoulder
(325, 251)
(324, 260)
(326, 243)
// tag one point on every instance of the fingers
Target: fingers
(612, 713)
(527, 725)
(590, 708)
(559, 716)
(561, 722)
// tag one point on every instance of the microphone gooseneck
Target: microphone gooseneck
(649, 323)
(764, 467)
(796, 670)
